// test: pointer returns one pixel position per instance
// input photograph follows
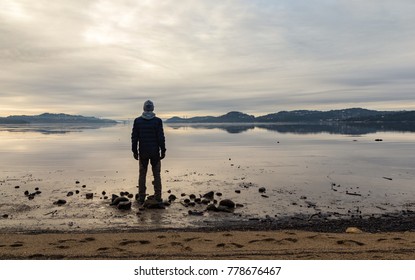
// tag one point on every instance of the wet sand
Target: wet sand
(178, 244)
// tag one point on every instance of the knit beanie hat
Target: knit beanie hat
(148, 106)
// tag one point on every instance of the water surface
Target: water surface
(337, 172)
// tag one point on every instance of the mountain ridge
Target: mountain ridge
(310, 116)
(53, 118)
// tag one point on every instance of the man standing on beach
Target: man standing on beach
(148, 135)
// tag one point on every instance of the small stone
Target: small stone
(209, 195)
(77, 192)
(38, 192)
(192, 196)
(69, 194)
(105, 197)
(77, 182)
(84, 186)
(122, 193)
(117, 200)
(183, 194)
(238, 191)
(238, 205)
(211, 207)
(5, 216)
(60, 202)
(205, 201)
(195, 213)
(264, 196)
(89, 196)
(114, 196)
(124, 205)
(222, 208)
(303, 197)
(172, 197)
(26, 193)
(187, 201)
(198, 200)
(104, 192)
(130, 195)
(227, 203)
(378, 140)
(169, 191)
(219, 194)
(353, 230)
(16, 187)
(36, 189)
(262, 190)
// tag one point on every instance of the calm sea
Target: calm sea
(337, 171)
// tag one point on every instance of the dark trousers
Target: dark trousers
(156, 168)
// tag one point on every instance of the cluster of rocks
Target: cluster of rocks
(208, 199)
(32, 195)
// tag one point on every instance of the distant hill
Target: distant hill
(48, 118)
(306, 116)
(231, 117)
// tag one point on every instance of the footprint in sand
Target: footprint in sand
(350, 242)
(229, 245)
(190, 239)
(87, 239)
(275, 241)
(17, 244)
(127, 242)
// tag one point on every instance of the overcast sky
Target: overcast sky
(105, 58)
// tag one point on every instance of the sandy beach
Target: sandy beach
(288, 245)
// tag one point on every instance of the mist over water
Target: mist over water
(339, 171)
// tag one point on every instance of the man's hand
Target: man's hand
(135, 156)
(163, 155)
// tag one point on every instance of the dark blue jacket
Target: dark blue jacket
(148, 135)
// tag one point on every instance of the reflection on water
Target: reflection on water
(302, 128)
(335, 171)
(52, 128)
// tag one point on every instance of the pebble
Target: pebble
(195, 213)
(124, 205)
(238, 191)
(262, 190)
(192, 196)
(218, 194)
(130, 195)
(69, 194)
(77, 192)
(104, 192)
(209, 195)
(5, 216)
(227, 203)
(60, 202)
(172, 197)
(118, 199)
(16, 187)
(84, 186)
(211, 207)
(77, 182)
(353, 230)
(89, 196)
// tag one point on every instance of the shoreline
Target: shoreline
(387, 223)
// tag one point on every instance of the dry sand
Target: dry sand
(289, 245)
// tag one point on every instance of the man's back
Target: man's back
(150, 136)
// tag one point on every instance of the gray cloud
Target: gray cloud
(205, 57)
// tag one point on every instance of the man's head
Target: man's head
(148, 106)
